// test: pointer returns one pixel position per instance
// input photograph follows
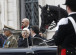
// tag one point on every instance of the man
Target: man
(35, 36)
(25, 23)
(35, 31)
(11, 41)
(65, 35)
(24, 41)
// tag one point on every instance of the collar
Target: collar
(72, 13)
(34, 35)
(9, 37)
(3, 34)
(27, 26)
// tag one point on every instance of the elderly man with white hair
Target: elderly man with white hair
(25, 33)
(23, 42)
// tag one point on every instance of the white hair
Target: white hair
(26, 19)
(26, 29)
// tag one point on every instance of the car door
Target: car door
(45, 50)
(16, 51)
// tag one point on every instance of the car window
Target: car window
(17, 39)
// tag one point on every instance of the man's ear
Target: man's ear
(32, 31)
(68, 9)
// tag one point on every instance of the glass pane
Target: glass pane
(20, 39)
(31, 9)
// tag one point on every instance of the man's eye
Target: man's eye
(22, 22)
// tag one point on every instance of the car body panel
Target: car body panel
(35, 50)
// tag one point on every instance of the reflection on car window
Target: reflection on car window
(20, 39)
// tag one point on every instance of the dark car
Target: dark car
(35, 50)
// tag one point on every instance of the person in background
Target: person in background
(24, 41)
(2, 38)
(25, 23)
(35, 31)
(35, 36)
(11, 41)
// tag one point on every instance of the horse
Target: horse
(50, 15)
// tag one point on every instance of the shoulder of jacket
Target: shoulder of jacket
(62, 21)
(13, 37)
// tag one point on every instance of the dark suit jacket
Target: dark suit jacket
(38, 36)
(23, 42)
(65, 35)
(2, 39)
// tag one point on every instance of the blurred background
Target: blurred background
(13, 11)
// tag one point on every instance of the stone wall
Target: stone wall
(10, 13)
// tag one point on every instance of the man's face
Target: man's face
(7, 33)
(24, 23)
(24, 34)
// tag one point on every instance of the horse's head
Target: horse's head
(49, 14)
